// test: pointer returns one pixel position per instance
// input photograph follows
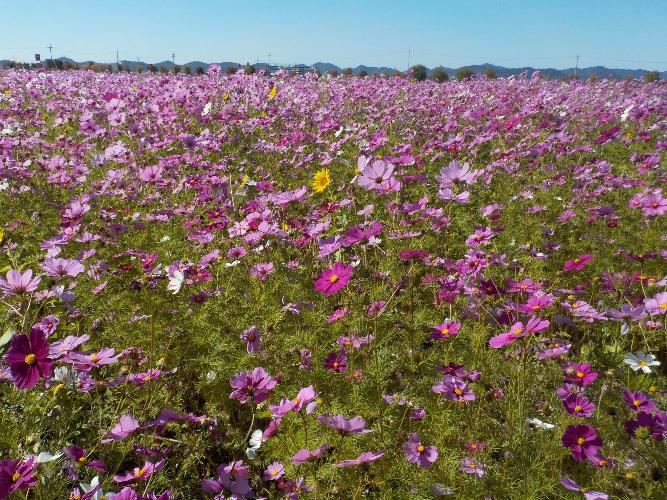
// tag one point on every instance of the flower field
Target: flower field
(234, 286)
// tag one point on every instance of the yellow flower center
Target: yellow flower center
(642, 363)
(580, 441)
(333, 278)
(139, 472)
(445, 331)
(629, 475)
(94, 358)
(583, 490)
(30, 359)
(274, 473)
(458, 391)
(637, 403)
(518, 331)
(420, 448)
(577, 260)
(578, 408)
(335, 364)
(16, 477)
(83, 460)
(580, 374)
(473, 465)
(663, 306)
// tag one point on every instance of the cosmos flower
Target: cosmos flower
(28, 359)
(578, 405)
(580, 374)
(454, 389)
(61, 268)
(252, 386)
(139, 473)
(17, 475)
(582, 440)
(334, 279)
(336, 361)
(274, 472)
(588, 494)
(125, 426)
(638, 401)
(646, 425)
(577, 264)
(252, 338)
(519, 330)
(641, 361)
(656, 305)
(365, 458)
(231, 481)
(344, 427)
(418, 453)
(304, 456)
(445, 330)
(473, 467)
(17, 283)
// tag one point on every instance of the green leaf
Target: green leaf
(7, 336)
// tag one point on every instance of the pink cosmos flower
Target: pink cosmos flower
(338, 314)
(139, 473)
(232, 479)
(578, 405)
(17, 283)
(454, 389)
(344, 427)
(28, 359)
(17, 475)
(473, 467)
(60, 268)
(251, 337)
(419, 454)
(364, 458)
(518, 330)
(274, 472)
(588, 494)
(262, 271)
(577, 264)
(303, 455)
(657, 305)
(125, 426)
(86, 362)
(376, 175)
(334, 279)
(252, 386)
(445, 330)
(638, 401)
(580, 374)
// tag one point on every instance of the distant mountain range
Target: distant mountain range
(323, 67)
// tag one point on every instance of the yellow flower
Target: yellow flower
(225, 97)
(8, 92)
(244, 180)
(2, 236)
(321, 180)
(273, 92)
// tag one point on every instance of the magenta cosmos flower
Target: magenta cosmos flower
(638, 401)
(419, 454)
(344, 427)
(578, 405)
(255, 385)
(334, 279)
(577, 264)
(454, 389)
(60, 268)
(657, 305)
(251, 337)
(582, 440)
(139, 473)
(588, 494)
(519, 330)
(17, 475)
(18, 283)
(580, 374)
(28, 359)
(445, 330)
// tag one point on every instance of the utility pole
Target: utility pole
(50, 47)
(173, 58)
(576, 68)
(409, 54)
(116, 57)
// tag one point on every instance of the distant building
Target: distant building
(299, 69)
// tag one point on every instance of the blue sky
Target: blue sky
(539, 33)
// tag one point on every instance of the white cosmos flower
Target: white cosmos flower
(536, 423)
(641, 361)
(232, 263)
(255, 442)
(207, 109)
(175, 282)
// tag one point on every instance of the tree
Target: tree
(138, 68)
(439, 75)
(419, 72)
(250, 70)
(651, 76)
(230, 70)
(164, 70)
(200, 70)
(152, 68)
(464, 74)
(176, 69)
(363, 74)
(490, 74)
(333, 73)
(187, 70)
(348, 72)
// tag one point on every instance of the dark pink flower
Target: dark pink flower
(344, 427)
(17, 475)
(252, 386)
(28, 359)
(445, 330)
(139, 473)
(577, 264)
(582, 440)
(60, 268)
(519, 330)
(334, 279)
(364, 458)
